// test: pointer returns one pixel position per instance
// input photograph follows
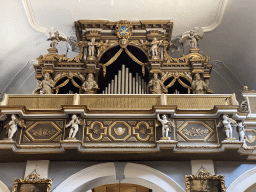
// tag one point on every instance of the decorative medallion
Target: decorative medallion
(143, 131)
(42, 131)
(124, 29)
(195, 131)
(96, 131)
(119, 131)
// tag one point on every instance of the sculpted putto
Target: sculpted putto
(166, 125)
(192, 37)
(241, 131)
(228, 124)
(74, 126)
(156, 85)
(90, 86)
(12, 126)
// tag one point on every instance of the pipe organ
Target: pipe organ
(125, 83)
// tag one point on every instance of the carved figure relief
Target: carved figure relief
(90, 86)
(166, 126)
(156, 85)
(45, 86)
(195, 132)
(12, 126)
(198, 85)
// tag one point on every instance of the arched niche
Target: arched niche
(105, 173)
(244, 182)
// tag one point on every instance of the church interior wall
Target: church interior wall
(59, 171)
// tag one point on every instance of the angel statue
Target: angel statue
(74, 124)
(228, 124)
(166, 126)
(55, 37)
(89, 86)
(192, 37)
(12, 126)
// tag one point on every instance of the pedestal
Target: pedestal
(7, 139)
(71, 139)
(165, 138)
(155, 57)
(230, 138)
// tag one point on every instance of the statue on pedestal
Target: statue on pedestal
(89, 86)
(241, 131)
(156, 85)
(12, 126)
(74, 126)
(91, 49)
(228, 124)
(155, 48)
(192, 37)
(166, 126)
(55, 37)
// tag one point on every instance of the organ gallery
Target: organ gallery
(125, 98)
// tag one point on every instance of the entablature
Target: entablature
(125, 125)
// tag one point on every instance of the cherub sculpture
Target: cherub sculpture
(55, 37)
(89, 86)
(12, 126)
(166, 125)
(74, 126)
(241, 131)
(192, 37)
(228, 125)
(199, 86)
(156, 85)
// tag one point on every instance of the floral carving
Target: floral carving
(195, 132)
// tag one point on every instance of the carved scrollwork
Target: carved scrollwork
(205, 181)
(32, 182)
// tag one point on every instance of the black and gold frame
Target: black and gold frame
(205, 181)
(32, 182)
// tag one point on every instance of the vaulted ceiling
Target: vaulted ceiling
(229, 37)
